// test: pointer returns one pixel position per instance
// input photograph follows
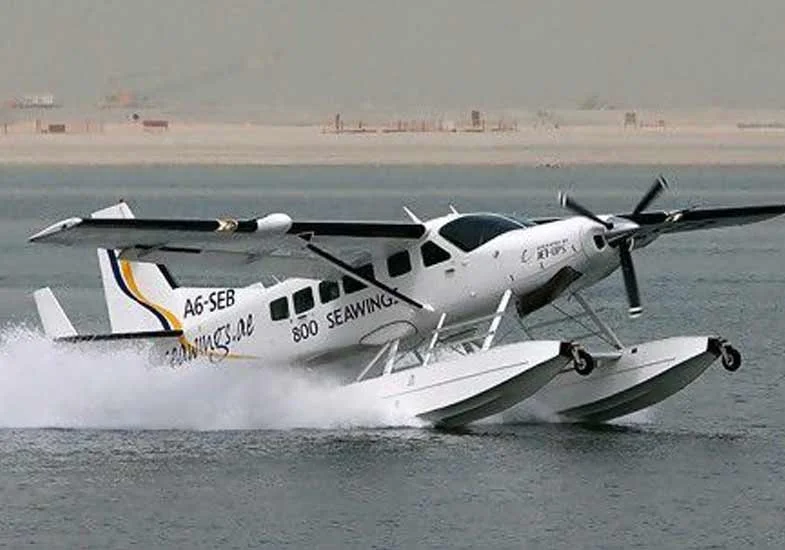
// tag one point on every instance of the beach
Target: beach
(721, 139)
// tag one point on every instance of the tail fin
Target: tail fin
(53, 318)
(139, 296)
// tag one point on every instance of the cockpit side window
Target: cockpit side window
(474, 230)
(433, 254)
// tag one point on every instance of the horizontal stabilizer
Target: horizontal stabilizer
(53, 318)
(146, 335)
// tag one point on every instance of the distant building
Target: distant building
(43, 101)
(155, 124)
(124, 99)
(476, 119)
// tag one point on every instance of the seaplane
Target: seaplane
(417, 303)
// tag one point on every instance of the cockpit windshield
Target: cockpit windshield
(525, 222)
(473, 230)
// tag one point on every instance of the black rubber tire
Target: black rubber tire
(585, 363)
(732, 359)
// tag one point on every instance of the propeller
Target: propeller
(630, 281)
(623, 244)
(571, 204)
(654, 191)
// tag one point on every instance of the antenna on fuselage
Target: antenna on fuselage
(411, 215)
(453, 210)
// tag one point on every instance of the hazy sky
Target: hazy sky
(399, 54)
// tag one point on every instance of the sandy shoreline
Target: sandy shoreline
(239, 144)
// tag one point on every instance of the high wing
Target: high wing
(653, 224)
(647, 226)
(691, 219)
(282, 246)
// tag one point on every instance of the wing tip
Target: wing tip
(54, 229)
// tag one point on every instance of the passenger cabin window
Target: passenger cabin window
(279, 309)
(353, 285)
(303, 300)
(399, 264)
(329, 291)
(474, 230)
(433, 254)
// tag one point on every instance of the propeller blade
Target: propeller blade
(566, 202)
(630, 281)
(654, 191)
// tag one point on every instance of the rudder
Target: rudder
(139, 296)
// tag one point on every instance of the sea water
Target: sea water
(104, 449)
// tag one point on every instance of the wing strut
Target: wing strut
(349, 270)
(604, 328)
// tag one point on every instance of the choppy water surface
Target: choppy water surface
(101, 449)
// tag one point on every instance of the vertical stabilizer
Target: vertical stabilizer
(139, 296)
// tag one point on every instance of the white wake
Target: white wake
(43, 384)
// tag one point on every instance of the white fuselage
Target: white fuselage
(537, 263)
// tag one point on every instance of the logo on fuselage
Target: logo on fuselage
(549, 250)
(359, 309)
